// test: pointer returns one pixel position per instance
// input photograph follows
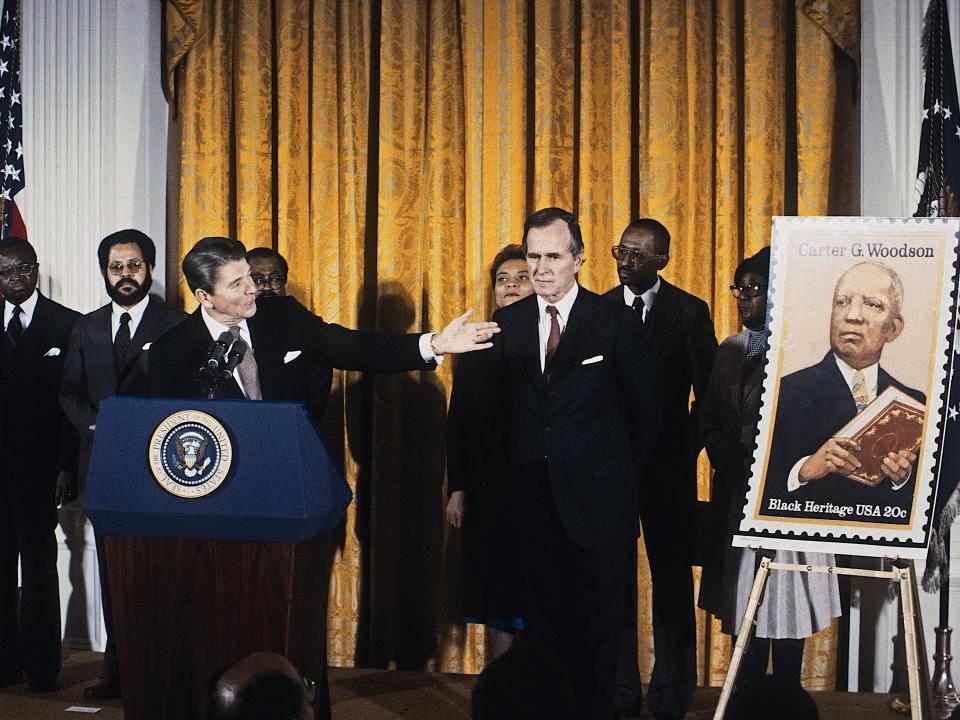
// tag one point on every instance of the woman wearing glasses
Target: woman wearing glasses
(491, 579)
(795, 605)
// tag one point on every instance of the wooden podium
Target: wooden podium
(200, 582)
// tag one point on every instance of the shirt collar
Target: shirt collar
(563, 305)
(869, 375)
(649, 295)
(136, 312)
(28, 306)
(217, 328)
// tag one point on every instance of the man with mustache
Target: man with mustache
(108, 356)
(37, 459)
(680, 334)
(269, 271)
(807, 460)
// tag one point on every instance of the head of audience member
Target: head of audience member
(18, 269)
(750, 289)
(772, 697)
(520, 684)
(553, 245)
(644, 251)
(269, 270)
(261, 686)
(510, 276)
(866, 313)
(217, 273)
(127, 258)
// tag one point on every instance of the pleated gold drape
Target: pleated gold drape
(388, 149)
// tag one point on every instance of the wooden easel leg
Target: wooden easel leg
(908, 583)
(745, 634)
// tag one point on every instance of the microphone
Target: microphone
(235, 357)
(216, 352)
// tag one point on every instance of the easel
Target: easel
(903, 573)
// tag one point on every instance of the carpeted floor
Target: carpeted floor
(373, 695)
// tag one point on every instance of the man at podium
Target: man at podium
(280, 336)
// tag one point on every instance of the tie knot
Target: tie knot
(552, 310)
(125, 319)
(17, 310)
(638, 303)
(235, 331)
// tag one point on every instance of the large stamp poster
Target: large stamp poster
(861, 312)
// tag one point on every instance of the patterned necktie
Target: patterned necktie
(553, 340)
(639, 306)
(248, 370)
(859, 390)
(121, 343)
(15, 327)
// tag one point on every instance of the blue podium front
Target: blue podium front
(281, 486)
(214, 517)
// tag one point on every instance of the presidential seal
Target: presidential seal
(190, 454)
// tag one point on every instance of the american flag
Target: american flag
(938, 175)
(11, 116)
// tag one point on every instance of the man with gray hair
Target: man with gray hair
(807, 458)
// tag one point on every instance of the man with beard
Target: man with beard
(268, 270)
(108, 356)
(679, 332)
(37, 455)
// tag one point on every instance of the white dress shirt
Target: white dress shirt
(27, 306)
(136, 315)
(563, 305)
(649, 297)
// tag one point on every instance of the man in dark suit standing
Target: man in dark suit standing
(269, 271)
(108, 356)
(37, 461)
(681, 336)
(284, 341)
(571, 375)
(808, 461)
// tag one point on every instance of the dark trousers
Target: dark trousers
(110, 670)
(674, 678)
(29, 643)
(574, 601)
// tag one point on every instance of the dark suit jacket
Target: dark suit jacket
(35, 438)
(814, 404)
(681, 337)
(593, 426)
(281, 326)
(89, 373)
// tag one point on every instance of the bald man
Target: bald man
(808, 461)
(261, 686)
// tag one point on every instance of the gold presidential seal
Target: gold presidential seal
(190, 454)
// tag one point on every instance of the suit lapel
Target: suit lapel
(101, 333)
(578, 324)
(267, 346)
(529, 336)
(151, 325)
(31, 344)
(661, 318)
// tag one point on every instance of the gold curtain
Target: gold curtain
(389, 148)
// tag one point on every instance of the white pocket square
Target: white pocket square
(52, 352)
(591, 361)
(146, 346)
(292, 355)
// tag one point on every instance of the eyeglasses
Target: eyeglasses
(22, 270)
(274, 282)
(133, 266)
(635, 256)
(748, 291)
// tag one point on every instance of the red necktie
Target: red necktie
(553, 340)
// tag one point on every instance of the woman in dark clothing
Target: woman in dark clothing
(491, 578)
